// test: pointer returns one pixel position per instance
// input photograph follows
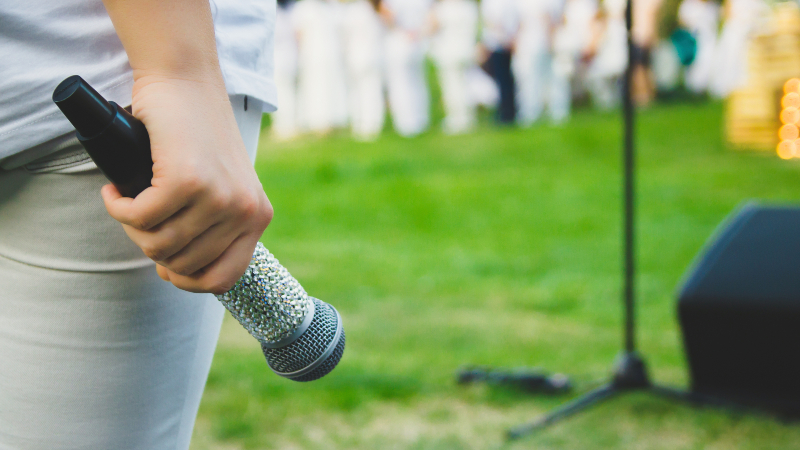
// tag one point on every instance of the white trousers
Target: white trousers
(284, 120)
(539, 84)
(96, 351)
(532, 74)
(409, 101)
(367, 107)
(460, 114)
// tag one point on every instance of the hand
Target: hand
(206, 209)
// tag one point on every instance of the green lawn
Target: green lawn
(500, 248)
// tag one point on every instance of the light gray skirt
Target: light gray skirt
(96, 351)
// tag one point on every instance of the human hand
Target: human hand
(206, 209)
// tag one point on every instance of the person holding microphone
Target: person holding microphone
(97, 350)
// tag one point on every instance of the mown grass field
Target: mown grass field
(500, 248)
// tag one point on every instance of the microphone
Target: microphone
(302, 338)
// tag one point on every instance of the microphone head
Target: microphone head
(314, 353)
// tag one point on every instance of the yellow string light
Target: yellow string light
(790, 115)
(787, 149)
(793, 85)
(791, 99)
(789, 132)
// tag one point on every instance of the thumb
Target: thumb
(114, 201)
(162, 272)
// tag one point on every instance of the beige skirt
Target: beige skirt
(96, 351)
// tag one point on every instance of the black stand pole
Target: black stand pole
(630, 371)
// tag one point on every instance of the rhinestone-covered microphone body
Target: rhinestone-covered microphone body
(301, 337)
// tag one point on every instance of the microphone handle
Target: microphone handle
(130, 166)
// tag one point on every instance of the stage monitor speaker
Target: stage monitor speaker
(739, 310)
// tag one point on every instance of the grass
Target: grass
(501, 248)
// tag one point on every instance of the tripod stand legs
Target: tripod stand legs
(630, 373)
(564, 411)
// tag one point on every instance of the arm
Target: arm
(206, 209)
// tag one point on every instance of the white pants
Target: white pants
(96, 351)
(409, 101)
(367, 108)
(284, 120)
(702, 69)
(532, 73)
(460, 115)
(540, 84)
(560, 96)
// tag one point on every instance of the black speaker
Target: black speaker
(739, 310)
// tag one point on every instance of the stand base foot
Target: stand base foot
(530, 380)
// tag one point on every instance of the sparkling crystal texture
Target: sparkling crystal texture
(267, 300)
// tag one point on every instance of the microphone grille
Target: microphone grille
(327, 366)
(300, 360)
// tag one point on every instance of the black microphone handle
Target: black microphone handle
(117, 141)
(130, 166)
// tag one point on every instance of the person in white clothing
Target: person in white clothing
(500, 25)
(285, 119)
(363, 47)
(321, 91)
(579, 16)
(610, 55)
(341, 110)
(409, 100)
(532, 60)
(730, 62)
(107, 322)
(644, 33)
(453, 49)
(570, 44)
(701, 19)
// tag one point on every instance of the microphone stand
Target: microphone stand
(630, 370)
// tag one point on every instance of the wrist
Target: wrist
(165, 84)
(180, 62)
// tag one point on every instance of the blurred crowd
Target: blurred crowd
(345, 63)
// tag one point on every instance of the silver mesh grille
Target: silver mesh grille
(309, 346)
(326, 366)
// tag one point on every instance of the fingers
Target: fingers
(203, 250)
(198, 234)
(171, 236)
(222, 274)
(150, 208)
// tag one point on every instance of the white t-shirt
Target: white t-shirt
(44, 41)
(458, 30)
(409, 15)
(500, 23)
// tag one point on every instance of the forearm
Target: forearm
(167, 38)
